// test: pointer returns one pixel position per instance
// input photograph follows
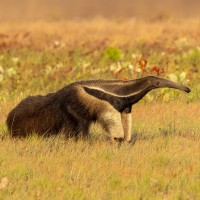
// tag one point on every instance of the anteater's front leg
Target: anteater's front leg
(112, 124)
(127, 123)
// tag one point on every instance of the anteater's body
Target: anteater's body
(73, 108)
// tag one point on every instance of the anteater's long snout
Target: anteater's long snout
(170, 84)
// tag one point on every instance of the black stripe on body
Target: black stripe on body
(118, 102)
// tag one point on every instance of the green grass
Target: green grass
(164, 161)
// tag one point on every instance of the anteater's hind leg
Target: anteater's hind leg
(82, 130)
(127, 123)
(75, 128)
(112, 124)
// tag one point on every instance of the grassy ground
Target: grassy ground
(36, 58)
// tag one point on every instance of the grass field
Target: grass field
(43, 56)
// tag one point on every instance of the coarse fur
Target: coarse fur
(73, 108)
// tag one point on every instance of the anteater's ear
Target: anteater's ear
(157, 83)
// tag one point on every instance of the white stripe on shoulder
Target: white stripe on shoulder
(107, 92)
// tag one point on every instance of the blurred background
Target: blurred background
(76, 9)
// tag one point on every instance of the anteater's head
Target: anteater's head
(156, 82)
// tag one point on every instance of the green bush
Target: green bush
(113, 54)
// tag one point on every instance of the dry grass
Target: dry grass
(158, 165)
(167, 118)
